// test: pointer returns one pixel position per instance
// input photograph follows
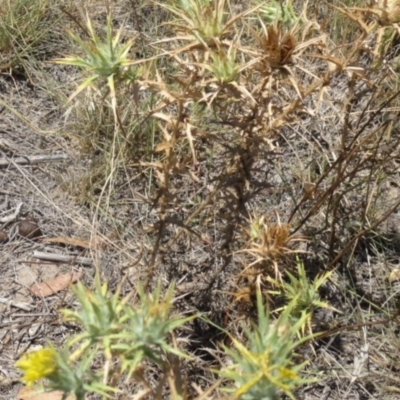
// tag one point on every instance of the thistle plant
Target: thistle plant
(104, 61)
(264, 366)
(277, 11)
(202, 22)
(112, 329)
(269, 242)
(306, 293)
(388, 11)
(37, 365)
(100, 315)
(62, 373)
(146, 330)
(224, 67)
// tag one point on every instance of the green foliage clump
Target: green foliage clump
(112, 329)
(263, 367)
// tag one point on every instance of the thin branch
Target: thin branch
(5, 162)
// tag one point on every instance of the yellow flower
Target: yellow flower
(37, 365)
(285, 373)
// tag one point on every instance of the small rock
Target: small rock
(28, 228)
(3, 236)
(394, 276)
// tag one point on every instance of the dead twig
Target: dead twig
(5, 162)
(13, 216)
(63, 258)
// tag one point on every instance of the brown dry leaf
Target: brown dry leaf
(163, 146)
(54, 285)
(72, 241)
(26, 393)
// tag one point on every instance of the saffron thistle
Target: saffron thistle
(38, 365)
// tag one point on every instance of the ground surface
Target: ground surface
(359, 356)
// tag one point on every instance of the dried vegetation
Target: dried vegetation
(248, 152)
